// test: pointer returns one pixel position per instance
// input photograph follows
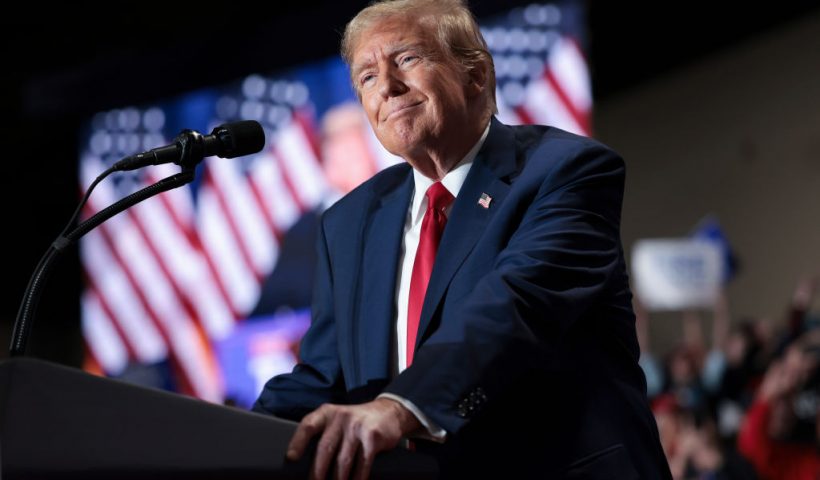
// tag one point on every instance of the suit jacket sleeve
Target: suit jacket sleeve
(317, 378)
(557, 263)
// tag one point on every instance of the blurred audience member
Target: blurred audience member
(771, 436)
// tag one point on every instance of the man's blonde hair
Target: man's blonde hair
(450, 21)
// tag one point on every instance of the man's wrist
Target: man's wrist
(427, 428)
(408, 422)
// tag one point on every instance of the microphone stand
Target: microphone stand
(191, 153)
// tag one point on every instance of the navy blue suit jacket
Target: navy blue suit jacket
(527, 353)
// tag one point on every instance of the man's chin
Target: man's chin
(401, 145)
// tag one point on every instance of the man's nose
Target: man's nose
(391, 84)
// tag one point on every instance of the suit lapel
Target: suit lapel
(468, 219)
(382, 247)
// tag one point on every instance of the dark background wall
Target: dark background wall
(62, 63)
(735, 135)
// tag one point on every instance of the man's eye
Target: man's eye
(408, 59)
(366, 79)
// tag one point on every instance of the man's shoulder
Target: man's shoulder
(533, 137)
(551, 154)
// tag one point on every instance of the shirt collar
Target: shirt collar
(452, 181)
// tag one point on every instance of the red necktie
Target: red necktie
(438, 198)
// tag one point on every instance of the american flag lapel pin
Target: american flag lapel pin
(485, 200)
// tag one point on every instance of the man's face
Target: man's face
(414, 98)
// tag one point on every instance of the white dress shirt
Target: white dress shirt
(452, 181)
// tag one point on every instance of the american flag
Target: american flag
(172, 276)
(485, 200)
(541, 71)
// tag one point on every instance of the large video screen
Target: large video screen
(206, 290)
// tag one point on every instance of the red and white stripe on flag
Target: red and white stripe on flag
(561, 97)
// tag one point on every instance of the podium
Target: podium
(58, 422)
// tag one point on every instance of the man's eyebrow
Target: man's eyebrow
(403, 47)
(358, 68)
(391, 51)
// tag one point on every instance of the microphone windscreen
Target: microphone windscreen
(240, 138)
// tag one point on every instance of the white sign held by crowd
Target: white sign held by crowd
(676, 274)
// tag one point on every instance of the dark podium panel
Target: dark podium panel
(60, 422)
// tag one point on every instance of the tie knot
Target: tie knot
(438, 197)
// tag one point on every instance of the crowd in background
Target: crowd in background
(744, 405)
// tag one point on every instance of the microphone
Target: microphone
(229, 140)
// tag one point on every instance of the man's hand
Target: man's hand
(778, 382)
(352, 434)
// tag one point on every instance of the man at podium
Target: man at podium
(473, 299)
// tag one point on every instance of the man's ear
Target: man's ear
(476, 80)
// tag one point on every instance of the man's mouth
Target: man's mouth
(402, 109)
